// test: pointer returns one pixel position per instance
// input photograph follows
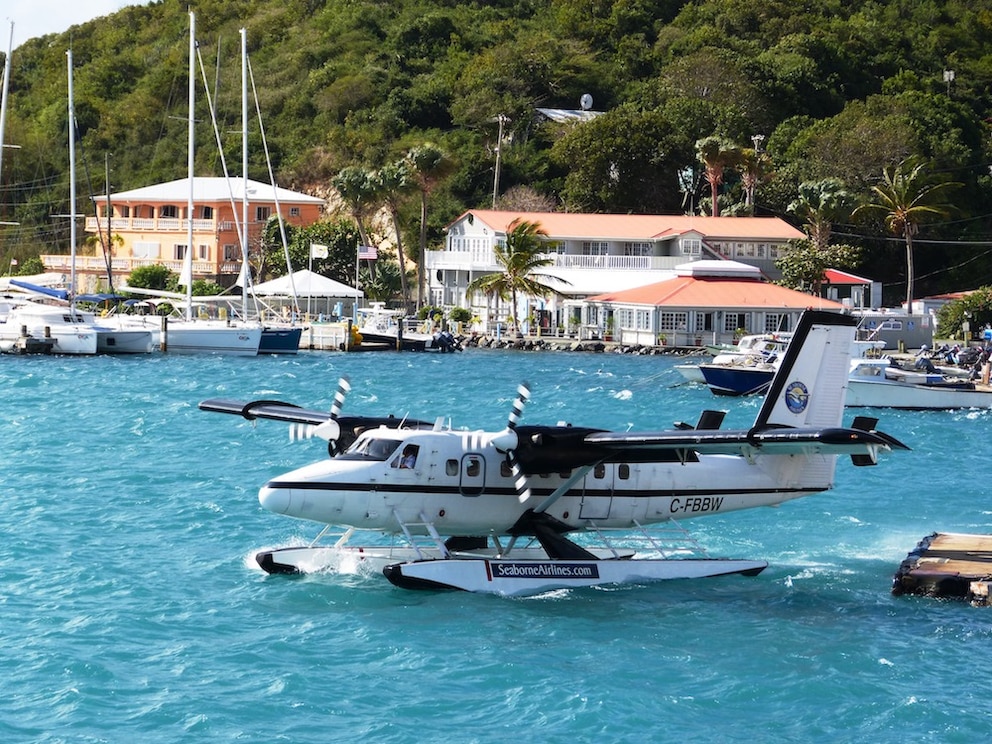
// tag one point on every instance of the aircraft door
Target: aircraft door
(472, 474)
(597, 493)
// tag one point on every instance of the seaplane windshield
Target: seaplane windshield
(371, 448)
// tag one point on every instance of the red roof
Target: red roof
(640, 226)
(687, 291)
(835, 276)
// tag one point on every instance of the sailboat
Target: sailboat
(190, 335)
(66, 329)
(276, 339)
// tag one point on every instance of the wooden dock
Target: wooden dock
(948, 565)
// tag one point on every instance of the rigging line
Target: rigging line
(916, 241)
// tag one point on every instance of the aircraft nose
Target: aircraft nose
(275, 499)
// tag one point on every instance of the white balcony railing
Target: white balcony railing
(485, 260)
(152, 224)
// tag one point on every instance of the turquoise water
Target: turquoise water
(129, 611)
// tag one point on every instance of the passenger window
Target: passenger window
(624, 471)
(505, 470)
(599, 471)
(451, 467)
(474, 468)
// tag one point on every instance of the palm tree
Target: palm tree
(358, 188)
(820, 204)
(395, 183)
(519, 260)
(716, 153)
(430, 165)
(753, 166)
(906, 198)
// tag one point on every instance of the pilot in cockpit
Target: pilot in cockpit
(409, 457)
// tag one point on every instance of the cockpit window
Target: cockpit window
(371, 448)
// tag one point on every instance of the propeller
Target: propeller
(330, 430)
(507, 441)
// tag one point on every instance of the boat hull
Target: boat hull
(883, 394)
(190, 338)
(111, 341)
(280, 340)
(736, 379)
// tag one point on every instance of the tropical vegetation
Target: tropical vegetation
(788, 94)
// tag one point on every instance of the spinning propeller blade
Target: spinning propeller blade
(507, 441)
(330, 430)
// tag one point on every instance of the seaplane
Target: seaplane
(534, 508)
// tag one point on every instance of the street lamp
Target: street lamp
(948, 78)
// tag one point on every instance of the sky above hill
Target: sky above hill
(33, 18)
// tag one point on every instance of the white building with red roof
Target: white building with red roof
(705, 302)
(596, 253)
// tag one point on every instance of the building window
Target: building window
(262, 213)
(673, 321)
(732, 321)
(207, 213)
(294, 211)
(637, 249)
(145, 250)
(691, 246)
(774, 322)
(643, 320)
(595, 248)
(232, 252)
(179, 252)
(168, 211)
(202, 252)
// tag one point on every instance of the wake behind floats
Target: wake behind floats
(496, 511)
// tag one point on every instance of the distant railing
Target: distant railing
(153, 224)
(485, 260)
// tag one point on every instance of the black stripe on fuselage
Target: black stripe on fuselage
(538, 492)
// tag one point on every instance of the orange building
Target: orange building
(150, 226)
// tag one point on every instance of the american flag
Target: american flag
(368, 252)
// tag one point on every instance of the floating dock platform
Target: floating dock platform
(950, 565)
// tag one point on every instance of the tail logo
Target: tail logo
(796, 397)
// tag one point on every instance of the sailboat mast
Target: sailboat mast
(188, 260)
(244, 172)
(6, 86)
(72, 187)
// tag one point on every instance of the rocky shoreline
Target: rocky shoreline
(535, 343)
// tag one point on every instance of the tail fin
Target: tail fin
(810, 384)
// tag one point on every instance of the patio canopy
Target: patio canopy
(307, 284)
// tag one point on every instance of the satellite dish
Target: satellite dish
(585, 102)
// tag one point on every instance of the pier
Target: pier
(948, 565)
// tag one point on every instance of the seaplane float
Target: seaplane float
(533, 508)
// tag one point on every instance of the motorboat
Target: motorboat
(383, 327)
(68, 330)
(749, 350)
(751, 374)
(879, 383)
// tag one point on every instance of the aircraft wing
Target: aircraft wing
(266, 409)
(773, 440)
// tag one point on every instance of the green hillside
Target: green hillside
(837, 88)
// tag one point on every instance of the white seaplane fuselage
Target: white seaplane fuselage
(464, 486)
